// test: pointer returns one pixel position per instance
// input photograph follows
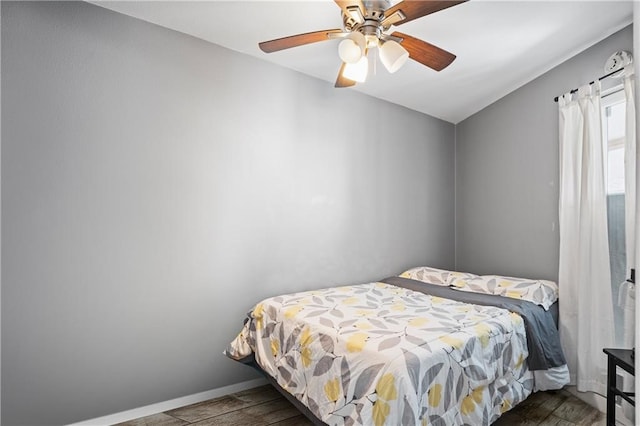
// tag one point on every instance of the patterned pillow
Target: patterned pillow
(540, 292)
(436, 276)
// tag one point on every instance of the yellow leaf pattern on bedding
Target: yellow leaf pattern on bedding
(362, 325)
(477, 394)
(275, 347)
(356, 342)
(305, 354)
(467, 406)
(482, 330)
(458, 282)
(517, 319)
(332, 390)
(449, 340)
(506, 406)
(358, 361)
(435, 394)
(380, 412)
(418, 322)
(386, 388)
(469, 402)
(305, 350)
(292, 312)
(257, 314)
(398, 307)
(305, 337)
(514, 294)
(520, 361)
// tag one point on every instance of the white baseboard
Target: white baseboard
(159, 407)
(593, 399)
(600, 403)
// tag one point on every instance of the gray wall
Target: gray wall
(507, 172)
(155, 186)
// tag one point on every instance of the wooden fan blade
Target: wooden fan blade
(341, 81)
(413, 9)
(296, 40)
(425, 53)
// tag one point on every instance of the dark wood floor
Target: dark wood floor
(265, 406)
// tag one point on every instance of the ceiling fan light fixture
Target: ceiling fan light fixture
(372, 41)
(352, 48)
(393, 55)
(365, 27)
(358, 71)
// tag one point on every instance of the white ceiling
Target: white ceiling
(500, 45)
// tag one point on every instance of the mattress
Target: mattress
(381, 354)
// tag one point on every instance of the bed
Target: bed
(427, 347)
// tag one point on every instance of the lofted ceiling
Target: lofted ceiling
(500, 45)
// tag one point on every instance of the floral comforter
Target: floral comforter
(377, 354)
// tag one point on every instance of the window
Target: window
(613, 132)
(613, 129)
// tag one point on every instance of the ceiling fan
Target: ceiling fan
(365, 27)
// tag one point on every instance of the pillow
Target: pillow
(435, 276)
(540, 292)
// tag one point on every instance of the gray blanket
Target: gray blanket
(543, 340)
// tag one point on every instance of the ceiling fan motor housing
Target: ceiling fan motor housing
(370, 17)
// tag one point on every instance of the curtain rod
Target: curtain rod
(591, 82)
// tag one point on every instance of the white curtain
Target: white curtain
(636, 54)
(584, 278)
(630, 167)
(627, 290)
(630, 196)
